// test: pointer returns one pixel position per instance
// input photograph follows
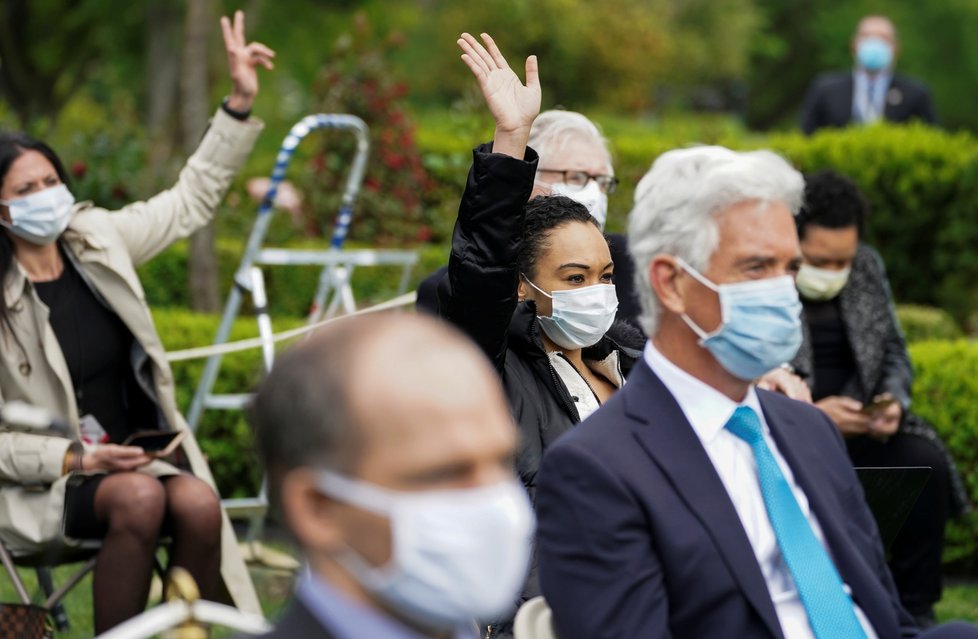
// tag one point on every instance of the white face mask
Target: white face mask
(820, 284)
(458, 555)
(590, 196)
(40, 218)
(580, 316)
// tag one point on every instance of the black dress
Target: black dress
(96, 345)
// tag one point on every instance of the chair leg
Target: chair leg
(8, 564)
(57, 611)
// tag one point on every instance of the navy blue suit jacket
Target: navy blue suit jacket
(638, 537)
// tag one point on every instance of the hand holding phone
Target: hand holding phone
(878, 405)
(156, 443)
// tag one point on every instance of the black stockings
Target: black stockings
(133, 508)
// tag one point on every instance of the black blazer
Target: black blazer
(638, 538)
(829, 102)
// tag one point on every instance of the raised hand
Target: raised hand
(243, 60)
(513, 104)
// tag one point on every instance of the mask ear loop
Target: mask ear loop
(699, 277)
(528, 281)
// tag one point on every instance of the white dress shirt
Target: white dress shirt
(708, 411)
(869, 93)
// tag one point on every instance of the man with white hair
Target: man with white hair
(693, 504)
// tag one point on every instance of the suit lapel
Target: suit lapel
(664, 433)
(806, 458)
(846, 102)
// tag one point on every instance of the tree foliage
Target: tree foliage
(49, 49)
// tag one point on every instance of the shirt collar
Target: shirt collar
(350, 619)
(707, 409)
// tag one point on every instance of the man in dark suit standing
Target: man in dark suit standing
(871, 91)
(389, 448)
(693, 504)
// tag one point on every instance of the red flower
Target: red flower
(424, 233)
(78, 170)
(119, 192)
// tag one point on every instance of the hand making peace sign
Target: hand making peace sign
(243, 60)
(513, 105)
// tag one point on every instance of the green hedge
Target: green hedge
(921, 323)
(922, 184)
(224, 435)
(946, 394)
(290, 288)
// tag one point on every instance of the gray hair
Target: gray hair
(677, 200)
(553, 130)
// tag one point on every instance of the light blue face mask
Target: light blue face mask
(580, 316)
(874, 54)
(760, 325)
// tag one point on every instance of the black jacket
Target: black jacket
(829, 102)
(480, 297)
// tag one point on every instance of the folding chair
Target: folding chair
(83, 553)
(20, 416)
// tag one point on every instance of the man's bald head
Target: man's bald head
(366, 390)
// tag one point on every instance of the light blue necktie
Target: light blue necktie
(830, 610)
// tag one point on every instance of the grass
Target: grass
(274, 589)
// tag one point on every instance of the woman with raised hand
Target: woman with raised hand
(532, 282)
(77, 338)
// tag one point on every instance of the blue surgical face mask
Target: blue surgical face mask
(580, 316)
(874, 54)
(760, 326)
(40, 217)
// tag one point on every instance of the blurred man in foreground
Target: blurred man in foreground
(389, 450)
(871, 91)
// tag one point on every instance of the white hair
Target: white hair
(553, 130)
(677, 200)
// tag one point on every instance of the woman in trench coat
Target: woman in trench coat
(77, 338)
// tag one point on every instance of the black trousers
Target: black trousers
(915, 558)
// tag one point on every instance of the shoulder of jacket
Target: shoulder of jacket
(906, 83)
(832, 79)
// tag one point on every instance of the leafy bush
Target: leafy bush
(921, 323)
(290, 288)
(396, 194)
(922, 184)
(945, 393)
(225, 436)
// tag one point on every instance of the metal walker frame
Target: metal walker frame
(333, 292)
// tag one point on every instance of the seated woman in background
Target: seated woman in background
(532, 282)
(853, 356)
(574, 161)
(77, 338)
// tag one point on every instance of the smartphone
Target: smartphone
(156, 443)
(877, 406)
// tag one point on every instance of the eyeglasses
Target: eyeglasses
(577, 180)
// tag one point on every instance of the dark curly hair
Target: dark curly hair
(543, 215)
(832, 201)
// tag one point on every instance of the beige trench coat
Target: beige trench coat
(108, 246)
